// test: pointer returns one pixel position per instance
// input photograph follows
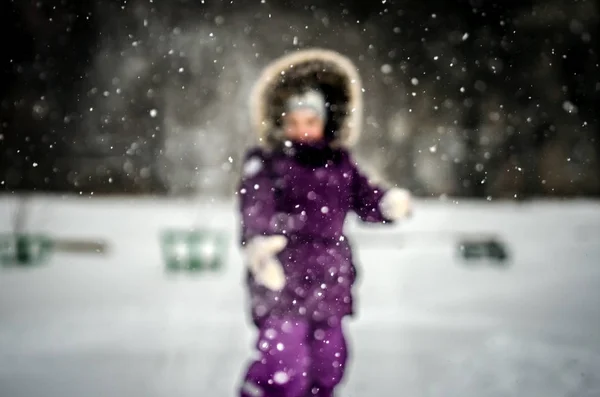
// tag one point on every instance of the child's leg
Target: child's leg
(329, 354)
(282, 370)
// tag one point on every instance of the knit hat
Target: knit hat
(311, 99)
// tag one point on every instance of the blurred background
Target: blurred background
(122, 127)
(467, 98)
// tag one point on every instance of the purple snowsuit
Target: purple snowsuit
(300, 327)
(304, 193)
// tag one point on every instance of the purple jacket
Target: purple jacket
(305, 194)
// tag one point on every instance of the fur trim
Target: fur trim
(327, 70)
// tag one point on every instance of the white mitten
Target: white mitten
(396, 204)
(261, 257)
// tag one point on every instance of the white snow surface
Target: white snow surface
(428, 325)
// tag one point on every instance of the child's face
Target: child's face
(303, 125)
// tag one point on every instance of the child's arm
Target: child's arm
(373, 203)
(257, 207)
(257, 196)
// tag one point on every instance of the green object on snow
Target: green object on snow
(193, 250)
(30, 249)
(24, 249)
(491, 249)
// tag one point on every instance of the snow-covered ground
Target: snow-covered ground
(428, 325)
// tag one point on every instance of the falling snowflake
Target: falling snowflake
(569, 107)
(252, 167)
(319, 334)
(270, 333)
(281, 377)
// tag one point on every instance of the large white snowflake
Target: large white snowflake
(252, 167)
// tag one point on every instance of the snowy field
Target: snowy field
(428, 325)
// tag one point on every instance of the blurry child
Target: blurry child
(295, 192)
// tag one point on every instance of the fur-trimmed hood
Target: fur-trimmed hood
(334, 74)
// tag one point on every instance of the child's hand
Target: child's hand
(396, 204)
(265, 267)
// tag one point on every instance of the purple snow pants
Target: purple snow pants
(297, 359)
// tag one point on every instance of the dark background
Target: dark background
(468, 98)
